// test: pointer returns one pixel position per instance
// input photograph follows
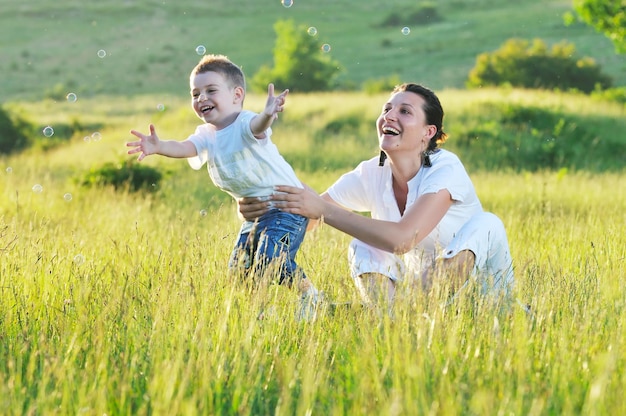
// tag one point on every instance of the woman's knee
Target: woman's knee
(460, 264)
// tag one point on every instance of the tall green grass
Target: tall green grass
(120, 303)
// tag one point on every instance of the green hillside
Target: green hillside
(50, 47)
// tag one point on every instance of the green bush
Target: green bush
(424, 14)
(299, 63)
(59, 91)
(18, 133)
(126, 175)
(63, 133)
(520, 63)
(15, 132)
(530, 138)
(617, 94)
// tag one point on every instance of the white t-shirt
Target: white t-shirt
(239, 163)
(368, 188)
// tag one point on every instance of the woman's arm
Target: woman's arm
(250, 208)
(396, 237)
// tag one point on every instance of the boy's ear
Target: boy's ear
(239, 94)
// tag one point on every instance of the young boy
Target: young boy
(242, 161)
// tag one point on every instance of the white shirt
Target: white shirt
(238, 163)
(368, 188)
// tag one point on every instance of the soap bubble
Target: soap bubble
(161, 107)
(9, 170)
(406, 30)
(71, 97)
(79, 259)
(96, 136)
(326, 48)
(67, 197)
(102, 53)
(48, 131)
(200, 50)
(203, 212)
(37, 188)
(312, 31)
(287, 3)
(87, 139)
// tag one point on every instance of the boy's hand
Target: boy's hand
(274, 104)
(147, 145)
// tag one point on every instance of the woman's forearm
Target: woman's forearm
(386, 235)
(396, 237)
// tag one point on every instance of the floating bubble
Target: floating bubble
(326, 48)
(37, 188)
(200, 50)
(67, 197)
(79, 259)
(203, 212)
(287, 3)
(9, 170)
(48, 131)
(102, 53)
(406, 30)
(96, 136)
(87, 139)
(161, 107)
(71, 97)
(312, 31)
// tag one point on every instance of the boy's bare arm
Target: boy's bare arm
(151, 144)
(273, 106)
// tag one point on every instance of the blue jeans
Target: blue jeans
(274, 239)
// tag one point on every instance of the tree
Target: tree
(607, 17)
(299, 62)
(521, 63)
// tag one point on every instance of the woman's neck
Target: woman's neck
(405, 170)
(402, 173)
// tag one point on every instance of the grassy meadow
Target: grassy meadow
(50, 48)
(119, 303)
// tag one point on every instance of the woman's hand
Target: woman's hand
(305, 202)
(251, 208)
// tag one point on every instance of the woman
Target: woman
(426, 219)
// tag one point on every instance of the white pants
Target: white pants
(483, 234)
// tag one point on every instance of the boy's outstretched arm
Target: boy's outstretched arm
(150, 144)
(273, 106)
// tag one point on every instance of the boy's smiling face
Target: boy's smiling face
(214, 100)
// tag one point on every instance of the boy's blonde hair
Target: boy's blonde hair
(223, 66)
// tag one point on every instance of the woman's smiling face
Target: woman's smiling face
(402, 124)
